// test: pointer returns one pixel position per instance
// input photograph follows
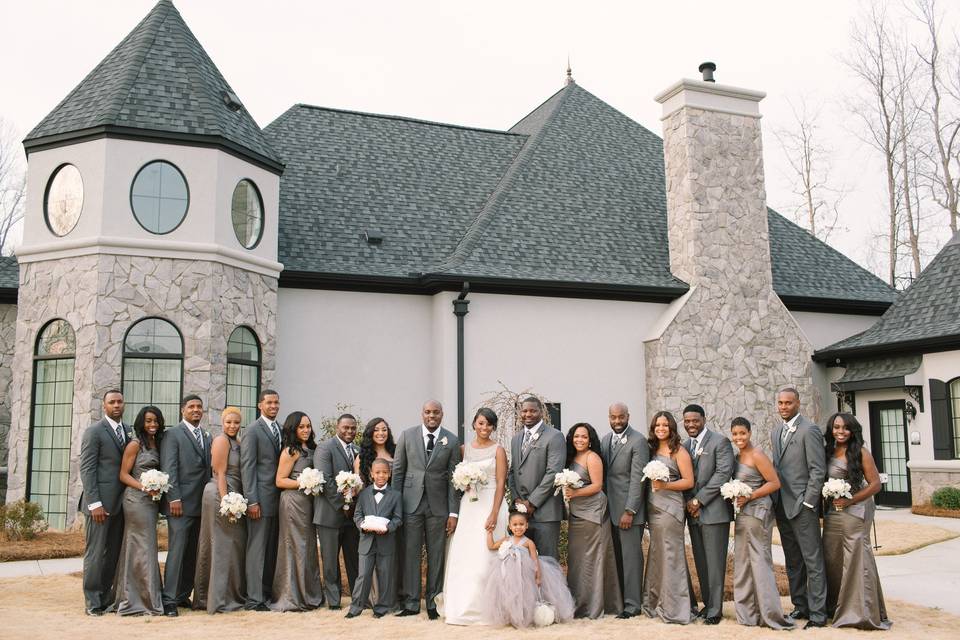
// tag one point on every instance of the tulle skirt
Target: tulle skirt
(510, 592)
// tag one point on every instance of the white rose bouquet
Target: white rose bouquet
(566, 479)
(311, 481)
(656, 470)
(733, 489)
(233, 506)
(468, 477)
(349, 484)
(156, 482)
(836, 488)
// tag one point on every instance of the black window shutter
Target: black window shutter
(940, 415)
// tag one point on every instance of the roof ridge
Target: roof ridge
(385, 116)
(472, 233)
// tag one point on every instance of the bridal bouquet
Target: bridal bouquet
(233, 506)
(733, 489)
(836, 488)
(566, 479)
(155, 480)
(311, 481)
(349, 484)
(468, 477)
(656, 470)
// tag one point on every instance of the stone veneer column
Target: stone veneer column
(729, 343)
(8, 341)
(102, 296)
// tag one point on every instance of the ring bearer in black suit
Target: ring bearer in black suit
(101, 502)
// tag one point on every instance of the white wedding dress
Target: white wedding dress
(468, 559)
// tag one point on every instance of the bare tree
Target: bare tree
(908, 115)
(13, 183)
(817, 205)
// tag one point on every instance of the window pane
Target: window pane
(57, 338)
(153, 336)
(50, 434)
(156, 382)
(159, 197)
(955, 415)
(246, 212)
(64, 200)
(243, 345)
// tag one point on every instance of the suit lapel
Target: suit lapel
(269, 433)
(112, 435)
(438, 436)
(338, 445)
(615, 451)
(187, 432)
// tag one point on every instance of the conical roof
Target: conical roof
(158, 82)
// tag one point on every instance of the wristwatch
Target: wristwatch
(695, 502)
(631, 511)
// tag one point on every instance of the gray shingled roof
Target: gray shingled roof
(928, 311)
(9, 272)
(159, 79)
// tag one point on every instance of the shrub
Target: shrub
(946, 498)
(21, 520)
(328, 424)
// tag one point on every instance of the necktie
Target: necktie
(120, 433)
(276, 434)
(784, 434)
(430, 437)
(198, 435)
(350, 453)
(525, 445)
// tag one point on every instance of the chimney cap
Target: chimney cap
(707, 69)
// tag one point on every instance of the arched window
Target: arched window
(243, 372)
(51, 418)
(152, 369)
(953, 388)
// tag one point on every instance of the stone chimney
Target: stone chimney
(729, 342)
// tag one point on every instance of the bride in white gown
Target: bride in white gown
(468, 558)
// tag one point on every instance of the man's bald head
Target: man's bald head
(619, 416)
(432, 414)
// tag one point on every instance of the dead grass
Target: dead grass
(55, 544)
(930, 510)
(51, 608)
(896, 538)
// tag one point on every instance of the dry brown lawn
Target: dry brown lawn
(55, 544)
(930, 510)
(51, 608)
(896, 538)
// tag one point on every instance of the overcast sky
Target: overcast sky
(483, 64)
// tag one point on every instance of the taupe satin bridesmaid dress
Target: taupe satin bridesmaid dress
(138, 572)
(296, 582)
(854, 596)
(591, 564)
(755, 592)
(665, 591)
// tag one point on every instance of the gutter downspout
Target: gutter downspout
(460, 310)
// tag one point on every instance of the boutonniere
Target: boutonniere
(130, 434)
(206, 433)
(535, 437)
(698, 451)
(622, 439)
(443, 440)
(792, 429)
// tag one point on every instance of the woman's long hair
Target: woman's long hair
(854, 453)
(673, 441)
(140, 430)
(289, 432)
(594, 441)
(368, 450)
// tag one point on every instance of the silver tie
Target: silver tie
(276, 434)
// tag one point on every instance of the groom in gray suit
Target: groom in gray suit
(800, 461)
(423, 466)
(708, 514)
(101, 452)
(538, 453)
(625, 453)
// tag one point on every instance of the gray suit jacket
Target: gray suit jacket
(100, 457)
(714, 466)
(390, 507)
(623, 475)
(259, 458)
(330, 459)
(414, 476)
(187, 466)
(801, 464)
(531, 475)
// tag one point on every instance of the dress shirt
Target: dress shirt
(113, 429)
(424, 432)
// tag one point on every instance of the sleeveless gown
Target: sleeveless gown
(296, 582)
(665, 591)
(220, 582)
(854, 596)
(755, 590)
(468, 559)
(591, 564)
(138, 571)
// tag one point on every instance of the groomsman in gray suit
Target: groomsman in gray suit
(625, 453)
(185, 457)
(423, 466)
(708, 514)
(537, 454)
(100, 454)
(259, 458)
(800, 461)
(335, 528)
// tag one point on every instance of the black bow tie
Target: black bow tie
(378, 492)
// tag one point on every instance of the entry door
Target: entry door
(888, 439)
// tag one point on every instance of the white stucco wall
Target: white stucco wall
(823, 329)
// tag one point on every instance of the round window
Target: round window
(64, 200)
(246, 210)
(159, 197)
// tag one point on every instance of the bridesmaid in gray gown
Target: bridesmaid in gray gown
(755, 590)
(296, 582)
(591, 565)
(220, 578)
(665, 591)
(138, 571)
(854, 596)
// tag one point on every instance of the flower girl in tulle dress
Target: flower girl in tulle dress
(519, 580)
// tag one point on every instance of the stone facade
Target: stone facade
(731, 342)
(923, 482)
(8, 336)
(102, 296)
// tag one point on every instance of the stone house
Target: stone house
(171, 245)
